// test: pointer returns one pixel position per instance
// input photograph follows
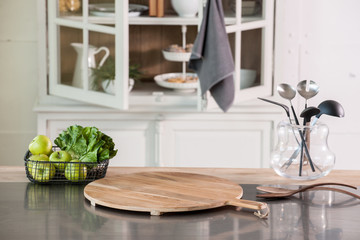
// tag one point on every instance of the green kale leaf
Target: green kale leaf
(88, 144)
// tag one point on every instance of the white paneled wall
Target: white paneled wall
(319, 40)
(18, 78)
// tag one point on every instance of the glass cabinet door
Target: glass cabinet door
(88, 61)
(242, 10)
(253, 73)
(249, 25)
(90, 42)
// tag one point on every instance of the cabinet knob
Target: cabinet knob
(158, 96)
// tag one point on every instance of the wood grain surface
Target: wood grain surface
(160, 192)
(259, 176)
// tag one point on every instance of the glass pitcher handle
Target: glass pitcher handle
(107, 53)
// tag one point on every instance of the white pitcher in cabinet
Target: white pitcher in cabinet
(91, 63)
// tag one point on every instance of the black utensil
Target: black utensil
(331, 108)
(307, 114)
(286, 108)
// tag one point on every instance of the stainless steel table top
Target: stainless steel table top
(31, 211)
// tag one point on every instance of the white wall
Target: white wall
(319, 40)
(18, 77)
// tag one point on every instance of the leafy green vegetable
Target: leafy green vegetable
(88, 144)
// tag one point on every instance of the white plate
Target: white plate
(183, 87)
(137, 8)
(102, 7)
(176, 56)
(108, 9)
(102, 14)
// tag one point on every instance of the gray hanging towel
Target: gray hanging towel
(211, 56)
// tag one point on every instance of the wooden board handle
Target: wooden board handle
(262, 208)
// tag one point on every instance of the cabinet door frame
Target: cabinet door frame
(52, 124)
(120, 99)
(51, 93)
(262, 128)
(266, 26)
(237, 28)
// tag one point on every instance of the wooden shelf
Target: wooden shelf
(151, 93)
(166, 20)
(142, 20)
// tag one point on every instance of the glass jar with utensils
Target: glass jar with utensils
(302, 160)
(302, 151)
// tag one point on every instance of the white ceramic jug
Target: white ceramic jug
(91, 63)
(185, 8)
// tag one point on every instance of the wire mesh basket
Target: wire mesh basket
(39, 171)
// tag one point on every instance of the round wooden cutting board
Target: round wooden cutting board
(161, 192)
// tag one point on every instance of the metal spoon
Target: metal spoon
(307, 114)
(273, 192)
(306, 90)
(331, 108)
(288, 92)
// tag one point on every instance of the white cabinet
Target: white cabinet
(224, 143)
(152, 125)
(175, 139)
(134, 139)
(140, 40)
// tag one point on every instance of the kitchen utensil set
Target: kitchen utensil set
(307, 89)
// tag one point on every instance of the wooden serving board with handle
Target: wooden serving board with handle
(161, 192)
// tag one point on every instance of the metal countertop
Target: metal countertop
(32, 211)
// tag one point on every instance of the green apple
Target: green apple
(40, 145)
(75, 171)
(35, 159)
(60, 159)
(43, 171)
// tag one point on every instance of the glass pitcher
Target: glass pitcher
(91, 63)
(292, 158)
